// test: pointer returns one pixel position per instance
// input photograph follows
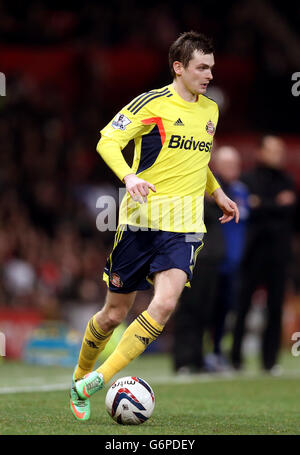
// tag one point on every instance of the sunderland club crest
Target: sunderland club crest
(210, 128)
(116, 280)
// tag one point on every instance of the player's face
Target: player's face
(198, 74)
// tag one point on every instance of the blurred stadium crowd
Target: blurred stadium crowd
(68, 71)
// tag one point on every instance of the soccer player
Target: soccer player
(161, 224)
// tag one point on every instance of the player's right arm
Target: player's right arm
(114, 138)
(138, 188)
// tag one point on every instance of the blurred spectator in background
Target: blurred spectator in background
(193, 314)
(268, 247)
(213, 294)
(50, 178)
(227, 166)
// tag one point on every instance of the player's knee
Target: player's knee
(115, 316)
(165, 306)
(110, 317)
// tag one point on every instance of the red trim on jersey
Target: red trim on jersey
(159, 123)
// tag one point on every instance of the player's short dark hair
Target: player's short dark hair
(183, 48)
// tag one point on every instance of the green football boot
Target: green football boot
(80, 408)
(91, 383)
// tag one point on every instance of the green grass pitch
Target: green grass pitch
(35, 401)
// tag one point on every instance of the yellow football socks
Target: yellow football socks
(94, 341)
(140, 333)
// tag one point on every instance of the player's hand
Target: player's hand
(229, 208)
(138, 188)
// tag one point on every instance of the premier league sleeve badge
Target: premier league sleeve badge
(120, 122)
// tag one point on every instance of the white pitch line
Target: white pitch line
(37, 388)
(158, 380)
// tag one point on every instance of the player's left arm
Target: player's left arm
(228, 206)
(211, 182)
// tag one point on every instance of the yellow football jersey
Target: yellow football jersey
(173, 140)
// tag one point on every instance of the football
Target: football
(130, 401)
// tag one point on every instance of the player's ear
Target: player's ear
(178, 68)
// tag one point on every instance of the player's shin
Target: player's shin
(140, 333)
(94, 342)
